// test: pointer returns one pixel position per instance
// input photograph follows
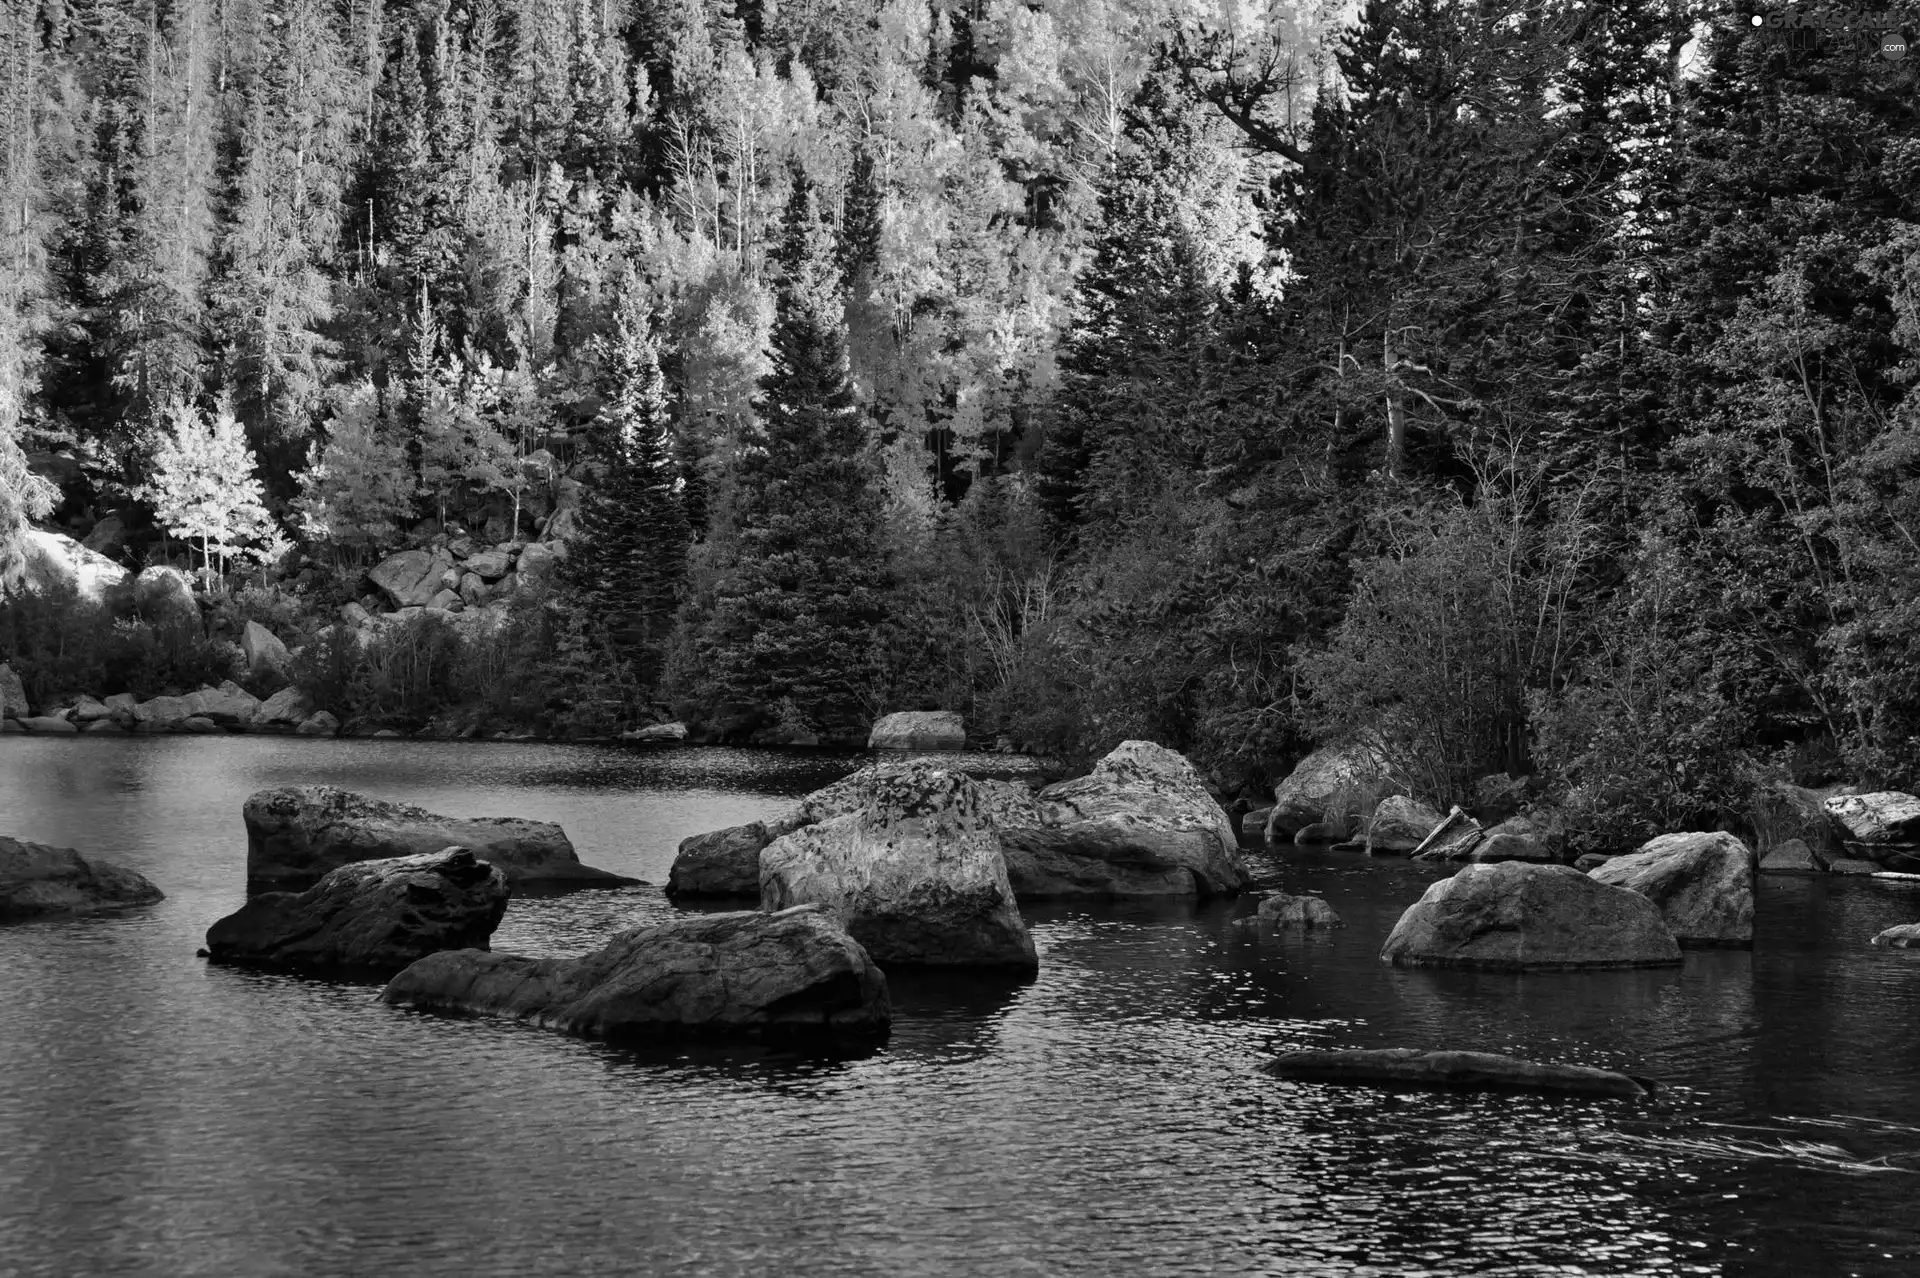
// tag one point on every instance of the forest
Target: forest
(1525, 383)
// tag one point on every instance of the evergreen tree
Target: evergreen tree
(356, 490)
(795, 614)
(627, 556)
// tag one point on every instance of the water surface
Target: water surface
(161, 1116)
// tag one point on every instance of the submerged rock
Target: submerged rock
(37, 880)
(915, 874)
(369, 918)
(919, 730)
(296, 834)
(1281, 910)
(1461, 1071)
(1518, 916)
(791, 975)
(1703, 884)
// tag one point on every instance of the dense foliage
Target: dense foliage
(1527, 384)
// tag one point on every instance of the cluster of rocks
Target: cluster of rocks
(1839, 832)
(1142, 823)
(227, 708)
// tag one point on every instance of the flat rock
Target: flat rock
(370, 918)
(37, 880)
(919, 730)
(1456, 1071)
(794, 975)
(48, 725)
(915, 874)
(1791, 857)
(1852, 865)
(1904, 937)
(1888, 816)
(296, 834)
(1517, 916)
(1702, 882)
(675, 731)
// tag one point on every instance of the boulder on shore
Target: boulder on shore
(51, 725)
(675, 731)
(791, 975)
(296, 834)
(919, 730)
(1307, 794)
(164, 594)
(720, 862)
(263, 649)
(1791, 857)
(56, 561)
(412, 577)
(1703, 884)
(13, 697)
(1140, 824)
(1458, 1071)
(1516, 916)
(1517, 838)
(1888, 817)
(36, 880)
(915, 874)
(1400, 824)
(370, 918)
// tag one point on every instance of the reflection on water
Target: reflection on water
(161, 1116)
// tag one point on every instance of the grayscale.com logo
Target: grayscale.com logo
(1803, 29)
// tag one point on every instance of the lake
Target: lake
(162, 1116)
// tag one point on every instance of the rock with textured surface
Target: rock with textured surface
(88, 710)
(164, 594)
(229, 705)
(1140, 824)
(1791, 857)
(919, 730)
(49, 725)
(296, 834)
(1886, 817)
(1515, 839)
(1400, 824)
(537, 562)
(162, 714)
(1904, 937)
(1516, 916)
(263, 649)
(1702, 882)
(1459, 1071)
(288, 707)
(38, 880)
(1283, 911)
(371, 918)
(412, 577)
(55, 561)
(13, 697)
(490, 565)
(1304, 796)
(318, 724)
(915, 874)
(795, 975)
(719, 863)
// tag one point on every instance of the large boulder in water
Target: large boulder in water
(1309, 793)
(919, 730)
(1140, 824)
(720, 863)
(1400, 824)
(1516, 916)
(37, 880)
(1703, 884)
(791, 975)
(296, 834)
(915, 874)
(370, 918)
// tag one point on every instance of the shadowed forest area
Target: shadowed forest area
(1523, 383)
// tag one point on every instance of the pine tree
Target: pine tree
(626, 559)
(795, 615)
(357, 488)
(23, 496)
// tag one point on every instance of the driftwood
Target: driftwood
(1420, 853)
